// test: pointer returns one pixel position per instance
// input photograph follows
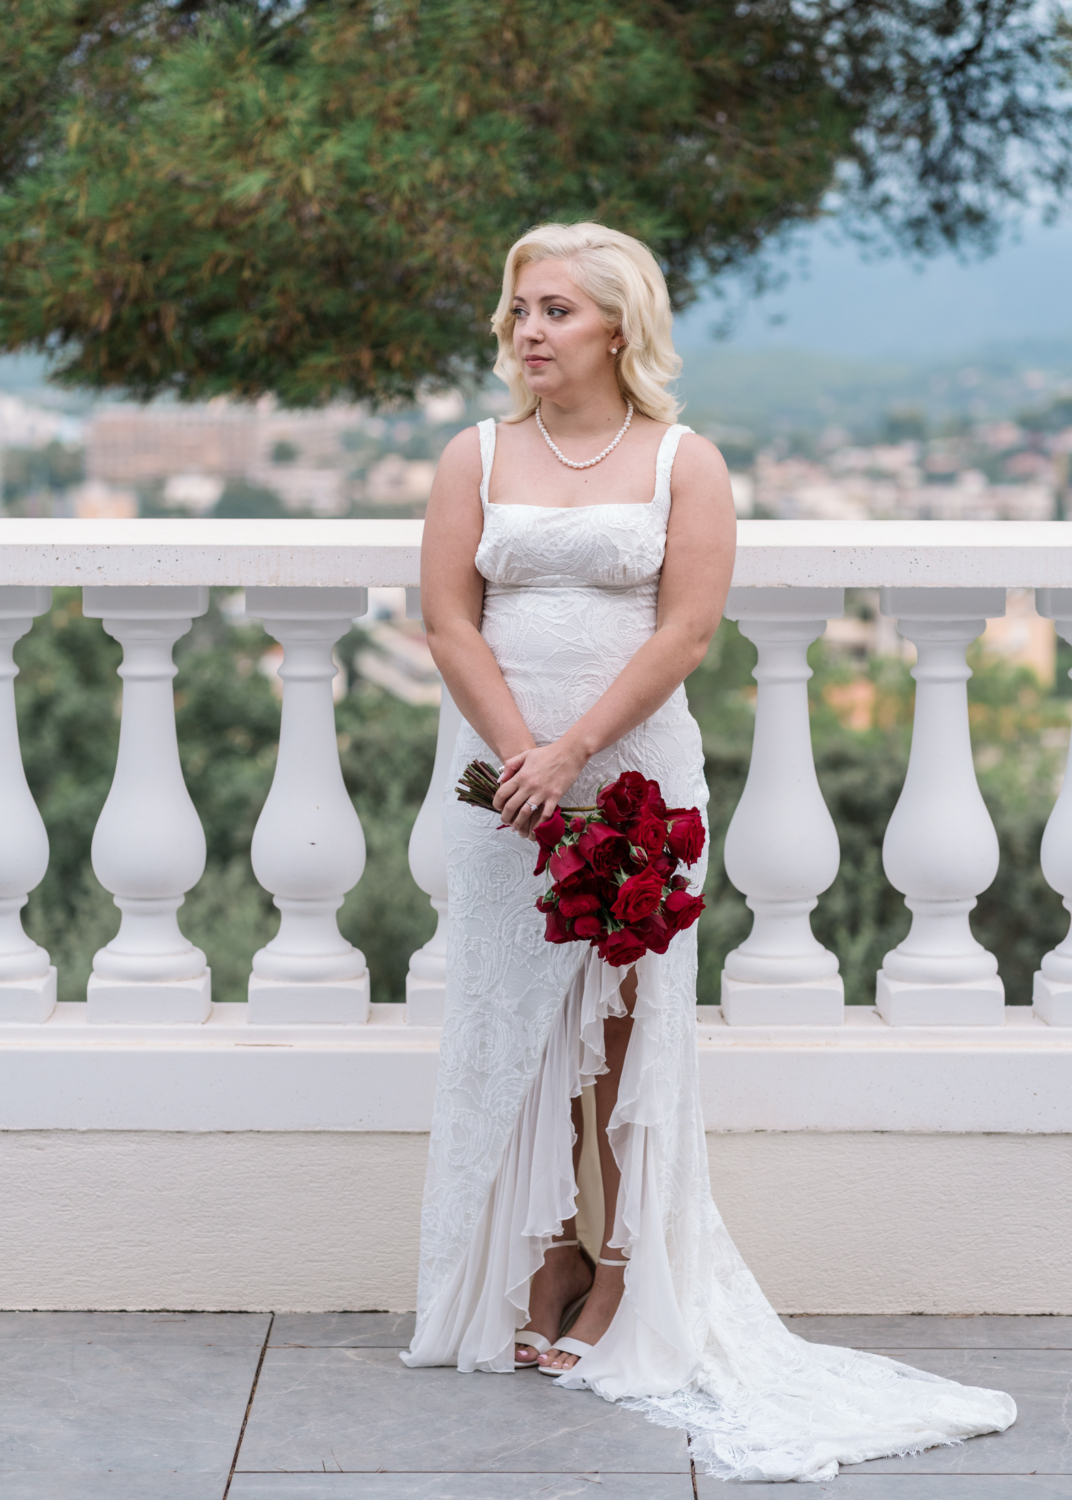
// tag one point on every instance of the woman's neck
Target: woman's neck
(598, 413)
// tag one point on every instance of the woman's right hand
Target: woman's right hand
(533, 782)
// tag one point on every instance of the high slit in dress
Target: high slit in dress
(570, 596)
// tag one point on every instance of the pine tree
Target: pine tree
(314, 198)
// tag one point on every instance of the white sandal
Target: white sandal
(574, 1346)
(536, 1340)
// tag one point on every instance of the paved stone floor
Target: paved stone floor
(202, 1406)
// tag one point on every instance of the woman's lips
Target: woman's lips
(536, 359)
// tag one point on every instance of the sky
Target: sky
(843, 305)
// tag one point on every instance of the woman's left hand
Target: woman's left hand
(533, 781)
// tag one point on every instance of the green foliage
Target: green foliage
(244, 501)
(314, 198)
(28, 471)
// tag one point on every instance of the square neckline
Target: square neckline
(485, 480)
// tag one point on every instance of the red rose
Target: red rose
(603, 847)
(576, 903)
(654, 932)
(622, 948)
(665, 866)
(682, 910)
(649, 831)
(548, 833)
(624, 798)
(566, 861)
(588, 926)
(557, 930)
(680, 883)
(638, 896)
(654, 800)
(686, 836)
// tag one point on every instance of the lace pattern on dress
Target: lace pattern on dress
(570, 596)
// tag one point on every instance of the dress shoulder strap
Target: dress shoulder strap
(486, 429)
(664, 464)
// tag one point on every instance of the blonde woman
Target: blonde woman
(576, 561)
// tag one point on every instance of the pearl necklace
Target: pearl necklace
(599, 456)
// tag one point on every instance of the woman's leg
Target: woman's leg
(597, 1313)
(564, 1275)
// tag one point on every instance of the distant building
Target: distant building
(300, 455)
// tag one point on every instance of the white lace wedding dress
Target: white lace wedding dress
(570, 596)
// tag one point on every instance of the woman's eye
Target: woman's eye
(553, 312)
(519, 312)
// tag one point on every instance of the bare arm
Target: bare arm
(698, 565)
(452, 600)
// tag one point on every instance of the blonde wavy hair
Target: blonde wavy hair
(623, 278)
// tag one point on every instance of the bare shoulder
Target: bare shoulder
(460, 459)
(698, 459)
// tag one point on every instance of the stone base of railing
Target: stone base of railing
(273, 1002)
(126, 1002)
(235, 1073)
(1053, 1001)
(818, 1003)
(846, 1160)
(28, 1000)
(901, 1003)
(425, 999)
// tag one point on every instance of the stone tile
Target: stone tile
(121, 1327)
(127, 1404)
(856, 1486)
(926, 1332)
(363, 1410)
(462, 1487)
(1040, 1440)
(117, 1486)
(343, 1330)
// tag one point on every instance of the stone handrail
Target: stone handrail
(349, 554)
(306, 581)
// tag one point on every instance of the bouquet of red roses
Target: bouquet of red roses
(613, 866)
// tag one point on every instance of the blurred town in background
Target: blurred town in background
(806, 436)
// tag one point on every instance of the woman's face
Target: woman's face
(560, 338)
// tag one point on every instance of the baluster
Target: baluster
(1052, 992)
(308, 848)
(782, 847)
(148, 845)
(27, 980)
(940, 849)
(426, 982)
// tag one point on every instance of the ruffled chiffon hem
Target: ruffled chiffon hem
(694, 1343)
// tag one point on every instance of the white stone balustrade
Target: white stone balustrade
(782, 847)
(308, 847)
(940, 849)
(307, 581)
(256, 1124)
(27, 979)
(426, 981)
(148, 846)
(1052, 991)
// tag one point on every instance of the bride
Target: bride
(575, 563)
